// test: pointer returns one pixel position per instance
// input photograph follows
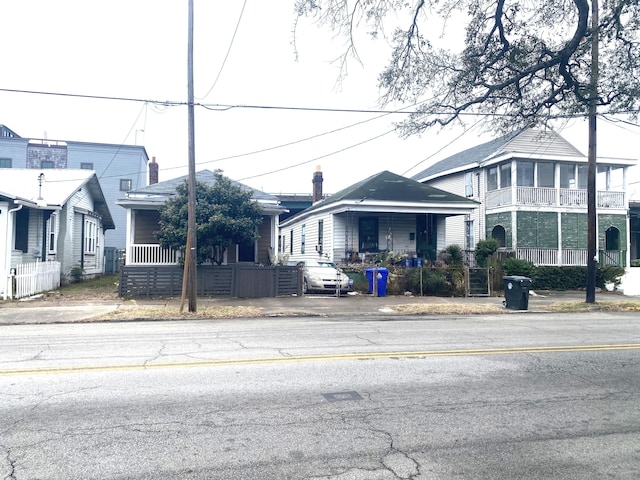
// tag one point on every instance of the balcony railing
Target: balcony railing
(564, 197)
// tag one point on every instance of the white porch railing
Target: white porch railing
(151, 254)
(32, 278)
(570, 256)
(565, 197)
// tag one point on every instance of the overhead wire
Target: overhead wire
(233, 37)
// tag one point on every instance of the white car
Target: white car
(323, 276)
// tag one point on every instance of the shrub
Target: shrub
(574, 278)
(515, 266)
(484, 250)
(453, 256)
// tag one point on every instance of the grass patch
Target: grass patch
(136, 312)
(577, 307)
(447, 309)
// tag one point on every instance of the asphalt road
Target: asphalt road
(513, 397)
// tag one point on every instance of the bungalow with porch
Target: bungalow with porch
(143, 215)
(383, 213)
(52, 224)
(532, 190)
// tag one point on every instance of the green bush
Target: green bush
(515, 266)
(435, 281)
(484, 250)
(574, 278)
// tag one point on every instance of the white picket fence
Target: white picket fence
(32, 278)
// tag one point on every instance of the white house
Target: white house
(383, 213)
(54, 217)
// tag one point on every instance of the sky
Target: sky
(280, 128)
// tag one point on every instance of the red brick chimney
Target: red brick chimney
(317, 185)
(153, 171)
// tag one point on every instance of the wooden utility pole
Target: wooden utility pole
(592, 233)
(191, 258)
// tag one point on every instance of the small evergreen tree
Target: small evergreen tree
(225, 216)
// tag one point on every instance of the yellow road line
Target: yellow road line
(322, 358)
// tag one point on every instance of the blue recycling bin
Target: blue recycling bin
(382, 276)
(418, 261)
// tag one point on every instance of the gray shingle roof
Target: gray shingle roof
(168, 187)
(524, 141)
(387, 186)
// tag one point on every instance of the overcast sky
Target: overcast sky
(137, 49)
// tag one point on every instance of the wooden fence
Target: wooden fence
(32, 278)
(238, 280)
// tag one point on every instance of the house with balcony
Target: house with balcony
(532, 188)
(143, 206)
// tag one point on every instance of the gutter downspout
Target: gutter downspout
(7, 258)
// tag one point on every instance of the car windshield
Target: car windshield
(314, 263)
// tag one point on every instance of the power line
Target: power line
(228, 51)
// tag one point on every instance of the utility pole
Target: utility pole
(591, 168)
(191, 257)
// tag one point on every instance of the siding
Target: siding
(504, 219)
(537, 229)
(111, 163)
(574, 230)
(610, 220)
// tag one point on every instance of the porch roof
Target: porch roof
(386, 192)
(53, 191)
(153, 196)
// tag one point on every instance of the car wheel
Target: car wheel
(305, 286)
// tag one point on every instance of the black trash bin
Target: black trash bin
(516, 292)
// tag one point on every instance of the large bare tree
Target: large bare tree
(517, 62)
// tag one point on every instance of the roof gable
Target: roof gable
(389, 188)
(527, 141)
(169, 187)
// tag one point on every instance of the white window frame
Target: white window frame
(52, 234)
(90, 236)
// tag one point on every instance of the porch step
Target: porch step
(478, 282)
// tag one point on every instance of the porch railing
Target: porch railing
(151, 254)
(32, 278)
(565, 197)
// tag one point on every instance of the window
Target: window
(90, 236)
(500, 235)
(505, 175)
(524, 173)
(368, 234)
(546, 175)
(610, 178)
(492, 178)
(582, 176)
(47, 164)
(567, 176)
(303, 238)
(86, 166)
(320, 235)
(5, 163)
(125, 184)
(52, 230)
(468, 184)
(469, 236)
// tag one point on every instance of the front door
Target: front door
(426, 238)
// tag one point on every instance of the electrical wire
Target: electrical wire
(228, 51)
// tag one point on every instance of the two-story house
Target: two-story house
(119, 168)
(532, 189)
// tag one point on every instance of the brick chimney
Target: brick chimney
(153, 171)
(317, 185)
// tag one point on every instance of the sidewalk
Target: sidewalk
(65, 311)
